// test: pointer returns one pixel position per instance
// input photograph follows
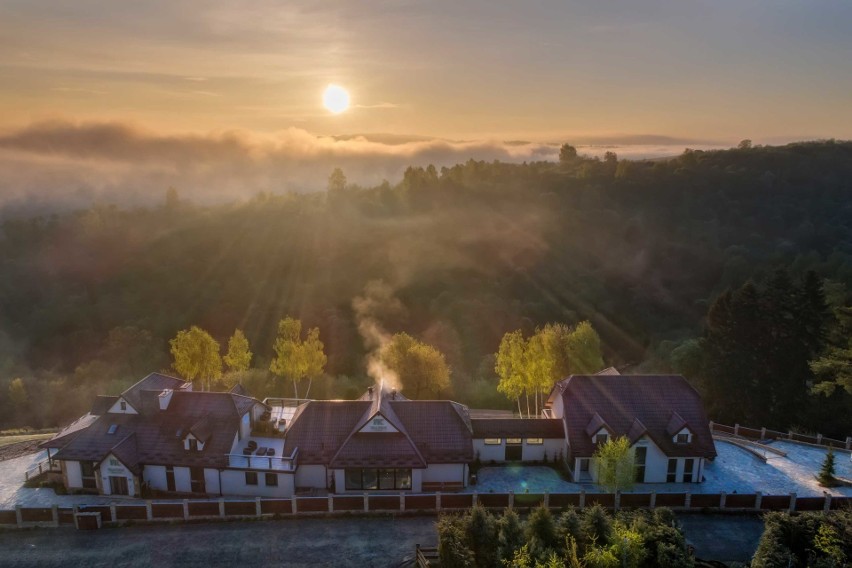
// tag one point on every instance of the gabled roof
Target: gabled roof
(153, 382)
(103, 404)
(595, 424)
(319, 427)
(151, 437)
(517, 428)
(69, 432)
(637, 430)
(622, 400)
(675, 425)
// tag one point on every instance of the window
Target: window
(251, 478)
(493, 441)
(535, 441)
(514, 441)
(639, 457)
(170, 478)
(382, 479)
(682, 438)
(671, 474)
(113, 428)
(123, 405)
(584, 465)
(601, 438)
(193, 445)
(687, 470)
(87, 474)
(272, 480)
(118, 485)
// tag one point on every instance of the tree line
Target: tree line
(640, 249)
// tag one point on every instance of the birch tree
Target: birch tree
(196, 355)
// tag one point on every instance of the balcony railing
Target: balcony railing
(272, 463)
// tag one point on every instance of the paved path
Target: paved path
(726, 538)
(293, 543)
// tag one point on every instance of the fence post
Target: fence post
(257, 507)
(112, 513)
(849, 443)
(722, 498)
(789, 434)
(792, 502)
(653, 502)
(582, 499)
(763, 433)
(616, 500)
(148, 512)
(819, 439)
(330, 502)
(55, 512)
(401, 501)
(687, 500)
(736, 429)
(711, 426)
(437, 500)
(511, 499)
(293, 506)
(547, 499)
(827, 506)
(186, 509)
(19, 517)
(473, 499)
(758, 499)
(222, 507)
(366, 503)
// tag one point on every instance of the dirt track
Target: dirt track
(18, 449)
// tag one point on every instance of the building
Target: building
(661, 415)
(161, 437)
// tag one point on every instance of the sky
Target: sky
(90, 86)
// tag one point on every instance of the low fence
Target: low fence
(767, 434)
(41, 467)
(429, 503)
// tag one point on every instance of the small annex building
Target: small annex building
(661, 415)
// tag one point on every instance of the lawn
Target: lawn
(16, 438)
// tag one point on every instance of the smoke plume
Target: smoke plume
(377, 304)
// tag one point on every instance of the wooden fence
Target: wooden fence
(430, 503)
(767, 434)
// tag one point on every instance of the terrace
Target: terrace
(258, 452)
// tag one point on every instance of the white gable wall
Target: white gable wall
(73, 474)
(116, 408)
(311, 476)
(112, 467)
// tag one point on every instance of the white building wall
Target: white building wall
(73, 474)
(112, 467)
(339, 480)
(551, 446)
(311, 476)
(416, 480)
(245, 426)
(489, 453)
(116, 408)
(183, 481)
(234, 483)
(211, 481)
(445, 472)
(558, 409)
(155, 477)
(656, 462)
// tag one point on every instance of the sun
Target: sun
(335, 98)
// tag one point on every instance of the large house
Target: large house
(661, 416)
(160, 436)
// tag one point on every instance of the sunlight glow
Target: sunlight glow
(335, 98)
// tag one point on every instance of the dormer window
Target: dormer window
(682, 438)
(123, 405)
(193, 445)
(601, 438)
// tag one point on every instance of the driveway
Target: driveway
(385, 541)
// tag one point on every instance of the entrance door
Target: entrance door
(514, 449)
(196, 479)
(118, 485)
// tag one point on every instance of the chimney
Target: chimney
(393, 394)
(370, 391)
(165, 398)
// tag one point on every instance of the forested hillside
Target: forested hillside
(89, 299)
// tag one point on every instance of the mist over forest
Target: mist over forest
(642, 249)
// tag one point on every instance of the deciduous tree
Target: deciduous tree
(239, 355)
(421, 368)
(196, 355)
(295, 358)
(614, 460)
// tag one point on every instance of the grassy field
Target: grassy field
(15, 438)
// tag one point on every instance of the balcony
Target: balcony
(257, 452)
